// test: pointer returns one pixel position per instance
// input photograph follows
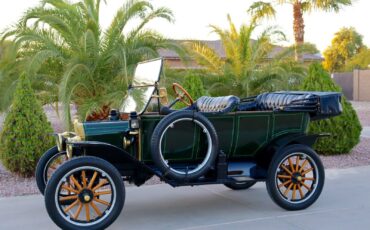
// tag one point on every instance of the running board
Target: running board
(242, 171)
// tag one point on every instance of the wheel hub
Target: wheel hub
(86, 196)
(297, 178)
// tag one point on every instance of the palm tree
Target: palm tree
(66, 48)
(299, 8)
(248, 68)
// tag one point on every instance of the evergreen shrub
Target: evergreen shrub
(26, 132)
(345, 129)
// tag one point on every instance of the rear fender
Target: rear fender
(276, 145)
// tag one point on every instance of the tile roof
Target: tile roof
(218, 47)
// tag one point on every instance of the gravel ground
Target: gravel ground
(363, 111)
(13, 185)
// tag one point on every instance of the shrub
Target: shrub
(345, 129)
(26, 132)
(194, 85)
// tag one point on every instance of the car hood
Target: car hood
(105, 127)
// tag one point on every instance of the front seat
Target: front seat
(216, 105)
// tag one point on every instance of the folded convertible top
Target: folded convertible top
(319, 105)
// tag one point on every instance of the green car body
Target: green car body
(241, 134)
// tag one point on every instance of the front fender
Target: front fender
(121, 159)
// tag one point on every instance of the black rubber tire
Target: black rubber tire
(155, 148)
(40, 168)
(240, 185)
(51, 188)
(271, 180)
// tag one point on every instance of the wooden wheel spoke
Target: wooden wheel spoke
(75, 182)
(64, 198)
(71, 206)
(93, 179)
(307, 171)
(70, 189)
(288, 189)
(300, 191)
(101, 183)
(284, 176)
(102, 201)
(286, 169)
(96, 209)
(84, 181)
(106, 192)
(285, 183)
(294, 191)
(304, 164)
(53, 168)
(76, 215)
(308, 178)
(87, 210)
(291, 164)
(297, 163)
(306, 186)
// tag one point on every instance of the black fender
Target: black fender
(276, 145)
(126, 164)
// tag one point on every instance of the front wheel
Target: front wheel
(95, 190)
(295, 177)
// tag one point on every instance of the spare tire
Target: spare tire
(212, 148)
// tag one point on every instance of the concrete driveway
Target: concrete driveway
(365, 132)
(344, 204)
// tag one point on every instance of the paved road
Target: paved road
(344, 204)
(365, 131)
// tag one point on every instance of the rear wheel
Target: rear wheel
(295, 177)
(95, 190)
(240, 185)
(47, 165)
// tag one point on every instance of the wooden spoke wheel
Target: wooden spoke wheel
(295, 177)
(182, 94)
(94, 191)
(47, 165)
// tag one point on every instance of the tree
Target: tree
(361, 60)
(248, 67)
(66, 48)
(26, 133)
(302, 6)
(345, 129)
(347, 42)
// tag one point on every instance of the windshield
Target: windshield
(143, 86)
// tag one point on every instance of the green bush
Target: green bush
(345, 129)
(194, 85)
(26, 132)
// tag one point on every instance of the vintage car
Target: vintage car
(214, 140)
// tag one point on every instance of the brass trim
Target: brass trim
(126, 143)
(136, 132)
(139, 146)
(79, 129)
(69, 151)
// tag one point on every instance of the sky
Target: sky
(193, 17)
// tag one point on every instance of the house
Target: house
(173, 60)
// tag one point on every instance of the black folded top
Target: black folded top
(319, 105)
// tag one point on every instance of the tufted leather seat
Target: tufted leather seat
(217, 104)
(280, 101)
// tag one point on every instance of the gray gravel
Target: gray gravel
(13, 185)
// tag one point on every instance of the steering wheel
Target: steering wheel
(182, 94)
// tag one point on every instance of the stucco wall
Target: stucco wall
(361, 85)
(345, 80)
